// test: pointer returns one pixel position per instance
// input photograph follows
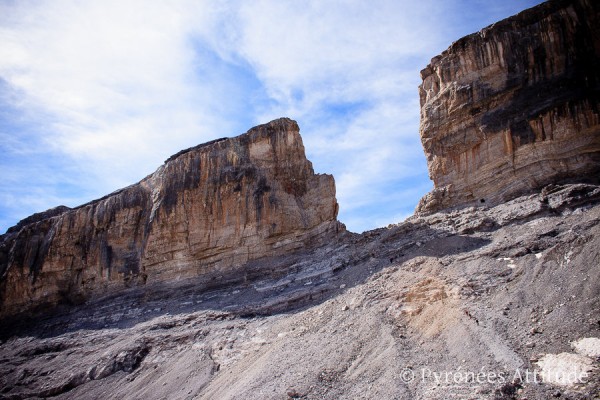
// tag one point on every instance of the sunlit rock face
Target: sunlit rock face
(206, 211)
(514, 107)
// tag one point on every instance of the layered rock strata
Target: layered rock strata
(206, 211)
(514, 107)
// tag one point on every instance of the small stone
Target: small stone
(345, 307)
(342, 286)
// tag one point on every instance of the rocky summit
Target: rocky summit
(514, 107)
(226, 275)
(205, 213)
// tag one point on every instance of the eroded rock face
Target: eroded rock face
(206, 212)
(514, 107)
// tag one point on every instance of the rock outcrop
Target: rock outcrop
(514, 107)
(206, 212)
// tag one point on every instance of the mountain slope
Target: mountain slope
(492, 291)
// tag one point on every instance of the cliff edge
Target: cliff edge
(514, 107)
(206, 212)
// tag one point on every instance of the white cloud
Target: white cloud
(121, 81)
(107, 90)
(338, 68)
(292, 43)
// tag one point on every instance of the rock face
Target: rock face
(206, 212)
(514, 107)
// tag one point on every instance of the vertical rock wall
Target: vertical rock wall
(514, 107)
(206, 211)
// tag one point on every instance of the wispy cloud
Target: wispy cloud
(95, 95)
(122, 82)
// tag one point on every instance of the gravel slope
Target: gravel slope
(452, 305)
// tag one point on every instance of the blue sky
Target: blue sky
(96, 95)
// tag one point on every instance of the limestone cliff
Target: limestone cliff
(514, 107)
(206, 212)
